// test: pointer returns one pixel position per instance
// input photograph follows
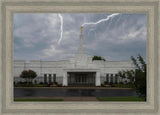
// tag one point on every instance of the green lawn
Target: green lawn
(124, 85)
(120, 99)
(38, 99)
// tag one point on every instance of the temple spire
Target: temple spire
(81, 49)
(81, 29)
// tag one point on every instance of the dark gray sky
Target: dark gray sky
(36, 36)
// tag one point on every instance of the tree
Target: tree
(28, 75)
(129, 74)
(137, 76)
(98, 58)
(140, 75)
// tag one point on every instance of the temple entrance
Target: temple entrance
(81, 78)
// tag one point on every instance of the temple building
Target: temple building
(79, 70)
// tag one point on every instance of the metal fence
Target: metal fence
(39, 80)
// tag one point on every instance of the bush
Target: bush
(28, 75)
(102, 85)
(121, 82)
(41, 83)
(21, 82)
(106, 82)
(55, 83)
(124, 85)
(48, 85)
(53, 86)
(59, 85)
(108, 85)
(112, 85)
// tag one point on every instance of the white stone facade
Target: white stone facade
(81, 62)
(60, 69)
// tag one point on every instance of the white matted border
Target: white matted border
(9, 7)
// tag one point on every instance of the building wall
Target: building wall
(57, 67)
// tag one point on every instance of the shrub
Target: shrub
(121, 82)
(28, 75)
(21, 82)
(41, 83)
(48, 85)
(53, 86)
(112, 85)
(55, 83)
(102, 85)
(59, 85)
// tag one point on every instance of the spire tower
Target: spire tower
(81, 48)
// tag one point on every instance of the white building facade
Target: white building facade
(79, 70)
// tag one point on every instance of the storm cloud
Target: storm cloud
(36, 36)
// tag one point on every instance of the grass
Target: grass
(120, 99)
(38, 99)
(124, 85)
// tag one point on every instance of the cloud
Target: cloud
(36, 36)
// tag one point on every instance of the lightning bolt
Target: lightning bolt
(102, 20)
(61, 20)
(91, 23)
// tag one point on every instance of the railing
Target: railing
(38, 79)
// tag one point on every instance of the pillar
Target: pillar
(47, 78)
(98, 82)
(65, 79)
(109, 78)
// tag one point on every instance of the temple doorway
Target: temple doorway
(81, 78)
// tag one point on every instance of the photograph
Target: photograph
(98, 57)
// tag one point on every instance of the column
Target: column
(65, 79)
(98, 82)
(109, 78)
(47, 78)
(118, 79)
(113, 78)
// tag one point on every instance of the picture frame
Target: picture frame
(9, 7)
